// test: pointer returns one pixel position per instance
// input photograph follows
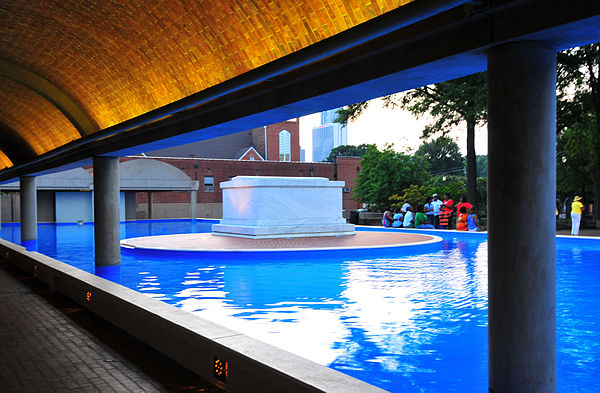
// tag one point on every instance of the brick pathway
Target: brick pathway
(50, 344)
(210, 242)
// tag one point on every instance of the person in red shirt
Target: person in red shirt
(463, 202)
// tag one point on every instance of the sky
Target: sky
(381, 125)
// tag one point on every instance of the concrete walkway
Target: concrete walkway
(50, 344)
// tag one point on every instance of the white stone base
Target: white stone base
(271, 207)
(283, 231)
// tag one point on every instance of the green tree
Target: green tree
(482, 195)
(350, 112)
(442, 154)
(578, 103)
(450, 103)
(458, 101)
(385, 173)
(415, 195)
(575, 170)
(481, 166)
(455, 186)
(347, 151)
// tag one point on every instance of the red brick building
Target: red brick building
(283, 141)
(275, 142)
(347, 169)
(273, 150)
(211, 172)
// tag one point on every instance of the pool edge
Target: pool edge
(191, 341)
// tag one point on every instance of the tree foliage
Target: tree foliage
(575, 168)
(414, 195)
(350, 112)
(442, 154)
(450, 103)
(481, 166)
(578, 108)
(387, 172)
(347, 151)
(455, 186)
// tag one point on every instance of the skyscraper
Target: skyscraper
(328, 135)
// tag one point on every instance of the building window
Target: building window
(285, 148)
(209, 184)
(251, 158)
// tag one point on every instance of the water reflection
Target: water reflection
(368, 316)
(30, 245)
(111, 273)
(412, 319)
(47, 238)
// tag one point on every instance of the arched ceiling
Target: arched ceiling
(36, 121)
(111, 61)
(4, 160)
(85, 78)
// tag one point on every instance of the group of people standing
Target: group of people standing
(434, 214)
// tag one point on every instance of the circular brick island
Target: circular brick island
(211, 242)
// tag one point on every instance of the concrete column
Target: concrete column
(13, 207)
(521, 227)
(193, 197)
(106, 211)
(28, 208)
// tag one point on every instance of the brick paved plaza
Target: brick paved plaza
(50, 344)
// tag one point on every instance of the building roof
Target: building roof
(231, 146)
(134, 175)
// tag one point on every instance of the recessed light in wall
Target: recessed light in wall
(220, 369)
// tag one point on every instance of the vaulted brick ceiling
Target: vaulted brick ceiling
(71, 68)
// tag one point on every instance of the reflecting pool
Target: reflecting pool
(409, 319)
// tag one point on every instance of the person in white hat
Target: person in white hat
(576, 208)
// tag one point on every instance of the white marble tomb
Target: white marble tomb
(271, 207)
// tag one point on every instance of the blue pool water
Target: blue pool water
(411, 319)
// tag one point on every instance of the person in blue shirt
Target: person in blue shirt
(398, 219)
(473, 220)
(428, 210)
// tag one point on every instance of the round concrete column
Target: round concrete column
(28, 208)
(521, 214)
(193, 199)
(106, 211)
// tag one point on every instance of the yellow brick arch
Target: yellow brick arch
(119, 60)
